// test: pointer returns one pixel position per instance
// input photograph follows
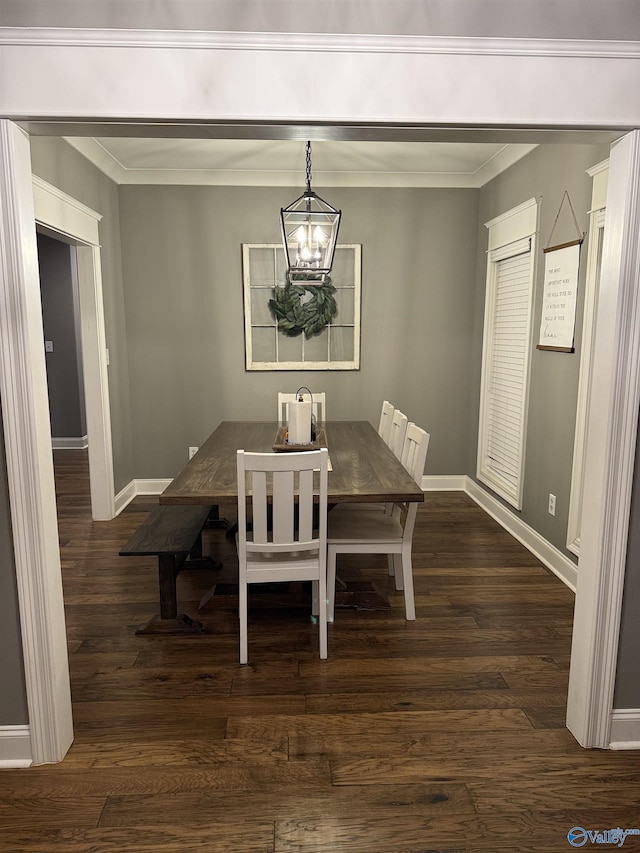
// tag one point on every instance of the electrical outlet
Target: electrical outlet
(192, 451)
(48, 346)
(552, 504)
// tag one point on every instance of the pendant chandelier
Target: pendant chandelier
(309, 234)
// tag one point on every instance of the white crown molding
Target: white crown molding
(506, 157)
(100, 157)
(318, 42)
(110, 166)
(598, 169)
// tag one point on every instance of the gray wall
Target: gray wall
(545, 173)
(13, 701)
(181, 249)
(59, 315)
(56, 162)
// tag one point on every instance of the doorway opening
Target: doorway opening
(66, 220)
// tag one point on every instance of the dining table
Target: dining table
(362, 469)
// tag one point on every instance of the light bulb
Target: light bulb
(305, 254)
(319, 235)
(301, 235)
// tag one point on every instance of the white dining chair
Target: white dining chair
(392, 429)
(386, 416)
(280, 543)
(319, 407)
(356, 531)
(399, 423)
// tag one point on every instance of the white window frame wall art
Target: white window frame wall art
(335, 347)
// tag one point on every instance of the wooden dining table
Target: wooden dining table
(362, 469)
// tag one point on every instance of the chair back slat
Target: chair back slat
(398, 432)
(283, 504)
(386, 417)
(414, 451)
(259, 505)
(305, 506)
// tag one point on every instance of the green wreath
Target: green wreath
(296, 314)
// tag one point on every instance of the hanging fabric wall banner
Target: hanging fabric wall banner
(562, 263)
(559, 300)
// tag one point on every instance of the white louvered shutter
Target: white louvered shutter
(505, 371)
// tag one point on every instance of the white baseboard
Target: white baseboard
(625, 729)
(444, 484)
(79, 443)
(547, 553)
(152, 487)
(125, 496)
(139, 487)
(15, 747)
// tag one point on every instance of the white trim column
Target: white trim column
(96, 383)
(23, 386)
(600, 176)
(611, 445)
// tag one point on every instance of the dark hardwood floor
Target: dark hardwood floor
(443, 734)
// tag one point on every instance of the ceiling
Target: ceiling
(281, 162)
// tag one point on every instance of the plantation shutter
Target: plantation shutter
(505, 373)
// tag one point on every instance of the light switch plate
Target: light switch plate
(48, 346)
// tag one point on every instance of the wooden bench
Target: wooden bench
(172, 534)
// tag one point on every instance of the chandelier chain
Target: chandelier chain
(308, 165)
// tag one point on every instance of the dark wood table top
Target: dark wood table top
(363, 467)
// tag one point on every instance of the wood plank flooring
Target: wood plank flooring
(446, 734)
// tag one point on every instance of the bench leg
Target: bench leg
(167, 573)
(169, 621)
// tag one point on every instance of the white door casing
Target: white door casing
(612, 421)
(27, 432)
(600, 174)
(78, 224)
